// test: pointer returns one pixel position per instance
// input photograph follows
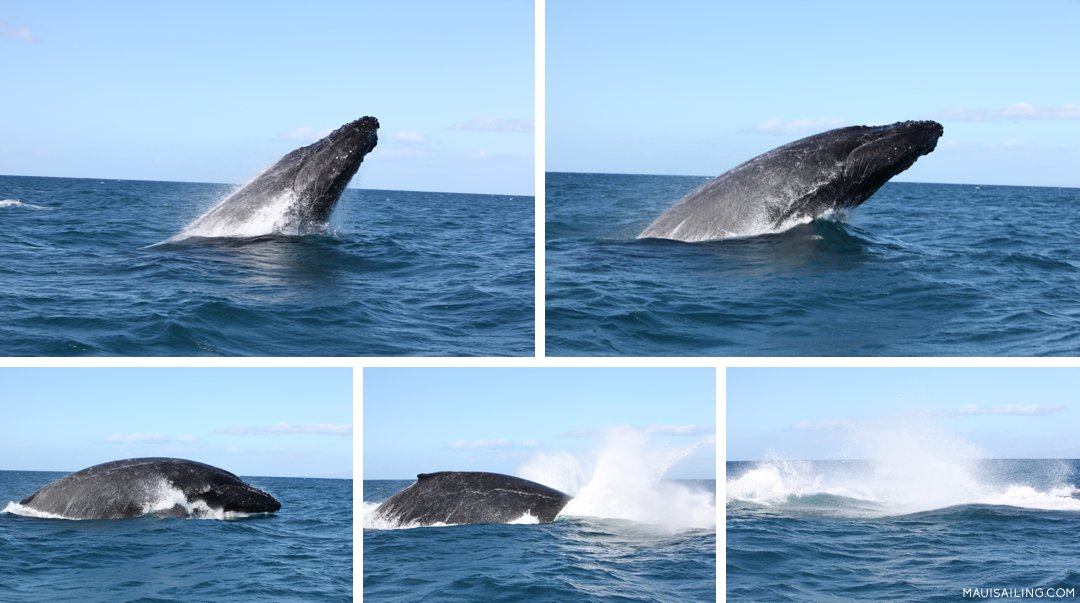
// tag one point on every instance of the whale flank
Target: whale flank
(797, 182)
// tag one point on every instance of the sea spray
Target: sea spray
(900, 468)
(624, 480)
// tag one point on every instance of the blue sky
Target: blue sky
(809, 413)
(698, 87)
(495, 419)
(216, 91)
(250, 421)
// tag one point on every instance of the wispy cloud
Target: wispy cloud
(823, 425)
(136, 438)
(411, 137)
(495, 444)
(1014, 112)
(1003, 409)
(658, 429)
(149, 438)
(17, 33)
(305, 134)
(288, 428)
(492, 444)
(776, 125)
(490, 124)
(679, 430)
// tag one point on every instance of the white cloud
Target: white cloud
(496, 444)
(490, 124)
(679, 430)
(776, 125)
(1003, 409)
(823, 425)
(1014, 112)
(288, 428)
(150, 438)
(136, 438)
(411, 137)
(17, 33)
(305, 134)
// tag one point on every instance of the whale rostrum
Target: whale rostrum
(799, 181)
(148, 486)
(459, 497)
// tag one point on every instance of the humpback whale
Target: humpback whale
(797, 182)
(296, 194)
(148, 486)
(456, 497)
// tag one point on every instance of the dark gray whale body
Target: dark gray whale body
(456, 497)
(299, 191)
(135, 487)
(801, 180)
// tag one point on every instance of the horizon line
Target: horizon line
(890, 181)
(359, 188)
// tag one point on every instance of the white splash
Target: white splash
(22, 204)
(908, 468)
(271, 217)
(624, 480)
(16, 509)
(374, 521)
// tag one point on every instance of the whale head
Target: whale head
(325, 167)
(238, 497)
(877, 153)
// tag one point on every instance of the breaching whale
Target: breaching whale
(148, 486)
(799, 181)
(295, 195)
(455, 497)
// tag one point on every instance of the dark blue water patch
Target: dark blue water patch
(572, 559)
(918, 270)
(87, 271)
(301, 553)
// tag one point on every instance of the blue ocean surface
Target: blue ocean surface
(586, 559)
(847, 531)
(301, 553)
(82, 273)
(918, 270)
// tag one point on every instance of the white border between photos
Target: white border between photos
(539, 360)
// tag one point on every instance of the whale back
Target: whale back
(134, 487)
(459, 497)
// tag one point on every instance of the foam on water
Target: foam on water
(22, 204)
(16, 509)
(623, 479)
(908, 468)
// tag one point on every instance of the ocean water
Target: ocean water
(918, 270)
(83, 273)
(590, 556)
(301, 553)
(901, 531)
